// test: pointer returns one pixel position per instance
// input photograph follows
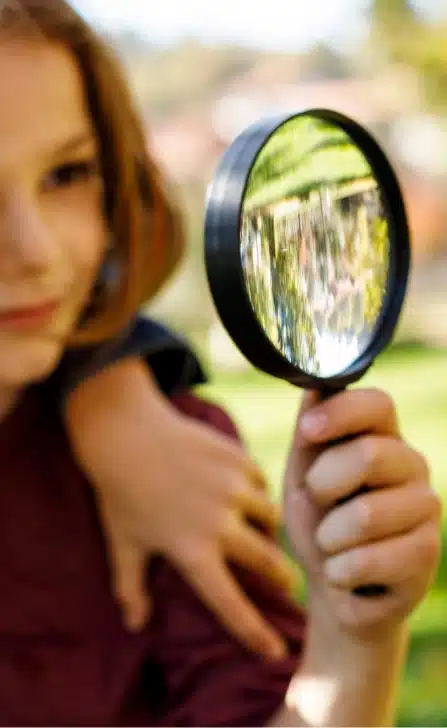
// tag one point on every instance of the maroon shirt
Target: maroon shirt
(65, 658)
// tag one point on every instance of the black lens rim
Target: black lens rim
(224, 201)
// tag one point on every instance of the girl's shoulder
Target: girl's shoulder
(202, 409)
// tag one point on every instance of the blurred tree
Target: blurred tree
(385, 12)
(402, 35)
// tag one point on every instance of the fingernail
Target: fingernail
(313, 423)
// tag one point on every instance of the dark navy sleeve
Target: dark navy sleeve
(172, 361)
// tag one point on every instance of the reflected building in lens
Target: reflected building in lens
(255, 256)
(315, 246)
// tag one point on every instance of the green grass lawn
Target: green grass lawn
(265, 410)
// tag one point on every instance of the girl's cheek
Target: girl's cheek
(76, 219)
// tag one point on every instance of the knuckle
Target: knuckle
(229, 532)
(219, 489)
(244, 484)
(196, 559)
(240, 492)
(232, 457)
(370, 451)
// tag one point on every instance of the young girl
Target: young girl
(71, 159)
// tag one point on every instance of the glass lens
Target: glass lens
(315, 246)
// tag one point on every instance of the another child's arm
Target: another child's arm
(168, 485)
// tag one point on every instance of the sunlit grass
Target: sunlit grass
(265, 408)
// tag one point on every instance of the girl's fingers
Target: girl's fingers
(253, 550)
(377, 515)
(391, 561)
(349, 413)
(257, 505)
(129, 569)
(369, 460)
(256, 477)
(211, 578)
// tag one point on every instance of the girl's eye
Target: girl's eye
(72, 173)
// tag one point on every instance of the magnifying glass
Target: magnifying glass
(307, 250)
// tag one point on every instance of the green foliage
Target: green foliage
(301, 156)
(423, 694)
(374, 289)
(401, 34)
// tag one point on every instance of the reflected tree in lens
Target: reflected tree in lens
(315, 245)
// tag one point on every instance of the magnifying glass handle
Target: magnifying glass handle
(365, 590)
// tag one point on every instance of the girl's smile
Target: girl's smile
(29, 317)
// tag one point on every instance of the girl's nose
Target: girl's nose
(26, 244)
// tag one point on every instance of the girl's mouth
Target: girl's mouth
(28, 317)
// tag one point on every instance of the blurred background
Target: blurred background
(202, 72)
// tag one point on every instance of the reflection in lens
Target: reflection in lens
(315, 246)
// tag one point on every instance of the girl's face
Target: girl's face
(52, 228)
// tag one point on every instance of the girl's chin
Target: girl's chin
(25, 363)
